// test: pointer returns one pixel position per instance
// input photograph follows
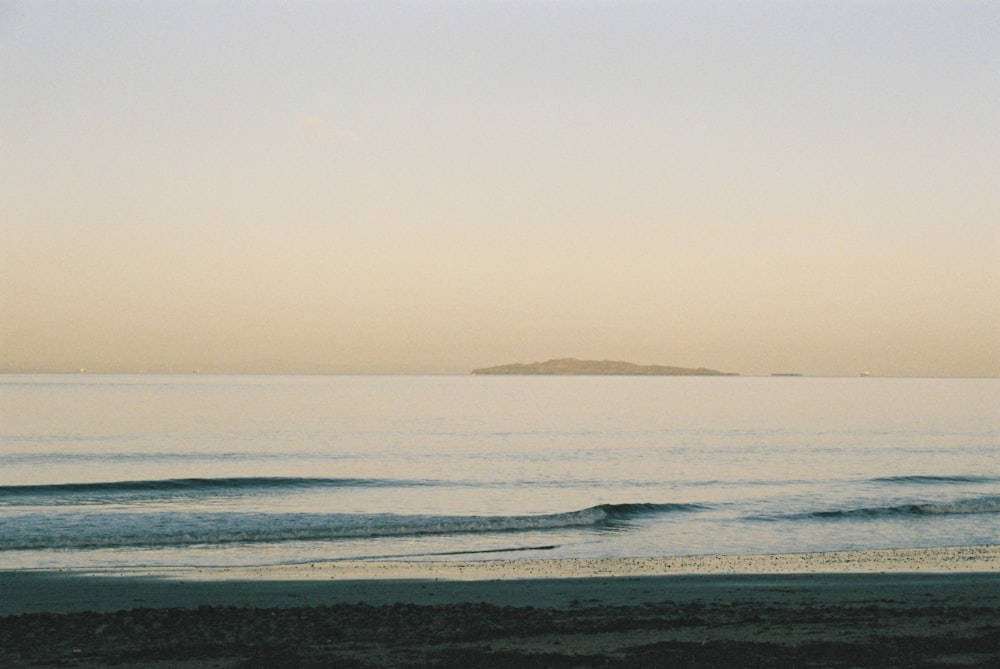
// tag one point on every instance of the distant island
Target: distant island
(570, 366)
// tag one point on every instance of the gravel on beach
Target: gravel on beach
(804, 633)
(915, 608)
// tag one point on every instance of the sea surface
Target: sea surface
(139, 470)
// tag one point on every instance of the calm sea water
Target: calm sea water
(226, 470)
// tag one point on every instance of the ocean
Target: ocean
(147, 470)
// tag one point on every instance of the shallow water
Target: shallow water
(137, 470)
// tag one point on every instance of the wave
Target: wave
(63, 493)
(638, 510)
(931, 480)
(161, 530)
(974, 505)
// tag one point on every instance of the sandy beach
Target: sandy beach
(914, 608)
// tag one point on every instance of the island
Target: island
(570, 366)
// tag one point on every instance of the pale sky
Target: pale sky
(750, 186)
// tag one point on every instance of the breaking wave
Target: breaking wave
(150, 530)
(988, 504)
(934, 480)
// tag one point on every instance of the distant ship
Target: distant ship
(866, 373)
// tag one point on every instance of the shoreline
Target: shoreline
(898, 608)
(535, 582)
(928, 560)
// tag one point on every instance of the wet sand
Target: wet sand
(906, 608)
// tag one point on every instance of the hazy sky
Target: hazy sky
(752, 186)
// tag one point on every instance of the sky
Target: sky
(756, 187)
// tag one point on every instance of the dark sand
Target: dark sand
(704, 620)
